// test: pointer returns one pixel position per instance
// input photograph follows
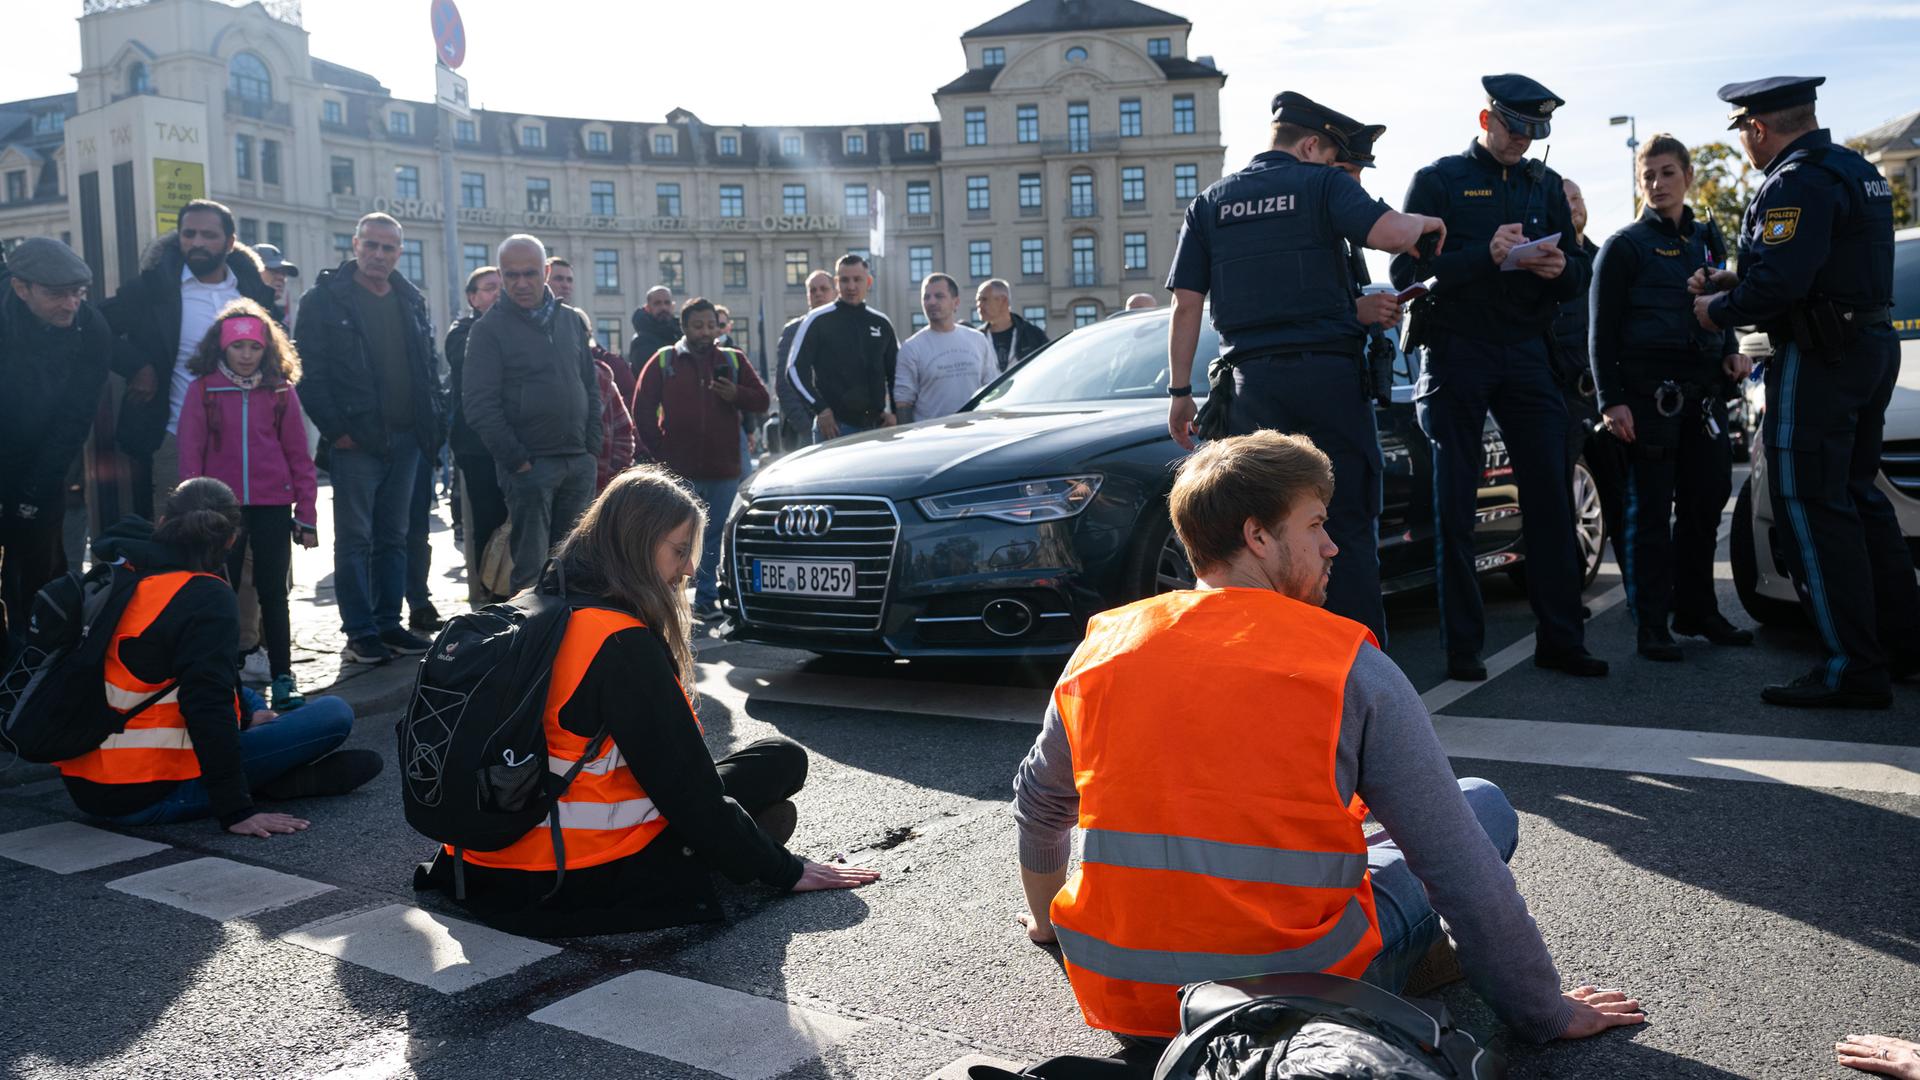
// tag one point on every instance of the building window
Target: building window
(332, 113)
(1186, 181)
(413, 262)
(916, 142)
(466, 131)
(919, 197)
(277, 234)
(673, 270)
(249, 230)
(1079, 128)
(1080, 195)
(1036, 315)
(406, 181)
(733, 201)
(49, 123)
(138, 80)
(1130, 118)
(608, 329)
(1133, 251)
(856, 144)
(400, 122)
(17, 186)
(243, 156)
(533, 137)
(473, 257)
(1029, 191)
(919, 264)
(1183, 115)
(1076, 55)
(270, 161)
(663, 145)
(980, 258)
(600, 198)
(977, 194)
(729, 146)
(1033, 256)
(342, 247)
(797, 263)
(342, 169)
(1026, 124)
(473, 190)
(857, 201)
(976, 127)
(539, 194)
(1133, 184)
(917, 321)
(733, 269)
(790, 145)
(1086, 267)
(606, 270)
(666, 200)
(1085, 314)
(793, 200)
(247, 78)
(992, 57)
(598, 142)
(1159, 48)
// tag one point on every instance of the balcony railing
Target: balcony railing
(1082, 208)
(1104, 143)
(1036, 210)
(1084, 278)
(272, 112)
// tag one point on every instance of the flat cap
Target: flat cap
(43, 260)
(1302, 111)
(272, 259)
(1359, 149)
(1768, 95)
(1525, 105)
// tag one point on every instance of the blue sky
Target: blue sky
(1414, 67)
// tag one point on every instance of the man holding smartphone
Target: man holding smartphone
(1293, 360)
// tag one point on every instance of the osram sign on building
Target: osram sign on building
(534, 220)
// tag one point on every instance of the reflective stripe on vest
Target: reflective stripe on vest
(605, 814)
(155, 745)
(1216, 841)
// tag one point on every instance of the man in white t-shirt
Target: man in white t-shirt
(942, 365)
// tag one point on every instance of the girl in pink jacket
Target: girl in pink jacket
(241, 424)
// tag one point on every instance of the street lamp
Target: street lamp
(1633, 171)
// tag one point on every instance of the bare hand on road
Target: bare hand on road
(265, 824)
(819, 876)
(1595, 1010)
(1881, 1054)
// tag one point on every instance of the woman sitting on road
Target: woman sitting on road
(201, 749)
(647, 822)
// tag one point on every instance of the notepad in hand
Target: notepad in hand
(1528, 250)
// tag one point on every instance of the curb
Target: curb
(375, 690)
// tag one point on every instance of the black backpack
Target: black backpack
(53, 701)
(473, 744)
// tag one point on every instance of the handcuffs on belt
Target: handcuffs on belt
(1670, 400)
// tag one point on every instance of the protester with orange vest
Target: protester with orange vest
(1220, 748)
(649, 819)
(201, 748)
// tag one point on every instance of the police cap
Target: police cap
(1302, 111)
(1768, 95)
(1359, 149)
(1523, 105)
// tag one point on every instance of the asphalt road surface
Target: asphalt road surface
(1751, 874)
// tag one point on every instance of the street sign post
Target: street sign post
(450, 99)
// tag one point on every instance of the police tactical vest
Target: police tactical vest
(1858, 271)
(1659, 313)
(1276, 259)
(1481, 196)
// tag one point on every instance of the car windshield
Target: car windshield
(1906, 287)
(1124, 357)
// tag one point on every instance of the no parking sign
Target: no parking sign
(449, 33)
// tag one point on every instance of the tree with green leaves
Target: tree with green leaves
(1723, 184)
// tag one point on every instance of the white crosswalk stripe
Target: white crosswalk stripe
(68, 847)
(424, 948)
(220, 888)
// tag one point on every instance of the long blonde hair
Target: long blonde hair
(610, 553)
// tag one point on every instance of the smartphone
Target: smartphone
(1411, 293)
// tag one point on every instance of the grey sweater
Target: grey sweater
(1391, 756)
(531, 391)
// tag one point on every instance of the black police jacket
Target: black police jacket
(1820, 228)
(1475, 195)
(1644, 331)
(1268, 244)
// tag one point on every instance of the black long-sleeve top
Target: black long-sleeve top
(1616, 270)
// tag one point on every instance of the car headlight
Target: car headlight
(1022, 502)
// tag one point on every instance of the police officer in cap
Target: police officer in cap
(1292, 357)
(1486, 329)
(1816, 274)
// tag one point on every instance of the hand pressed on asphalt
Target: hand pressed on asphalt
(819, 876)
(1881, 1054)
(265, 824)
(1039, 931)
(1595, 1010)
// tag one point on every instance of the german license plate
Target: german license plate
(803, 578)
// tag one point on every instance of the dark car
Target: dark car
(998, 531)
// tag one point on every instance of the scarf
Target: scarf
(244, 382)
(542, 316)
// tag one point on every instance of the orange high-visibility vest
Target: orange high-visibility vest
(605, 814)
(1204, 727)
(154, 745)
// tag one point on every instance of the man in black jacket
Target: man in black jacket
(844, 357)
(371, 387)
(795, 418)
(54, 348)
(158, 317)
(655, 327)
(1014, 338)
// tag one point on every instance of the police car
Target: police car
(1759, 565)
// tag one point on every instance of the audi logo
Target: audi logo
(799, 521)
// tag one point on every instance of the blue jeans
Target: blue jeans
(718, 495)
(267, 751)
(419, 527)
(845, 430)
(372, 496)
(1408, 924)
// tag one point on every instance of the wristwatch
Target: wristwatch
(1179, 391)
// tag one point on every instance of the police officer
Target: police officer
(1663, 381)
(1375, 312)
(1606, 457)
(1292, 358)
(1816, 273)
(1486, 328)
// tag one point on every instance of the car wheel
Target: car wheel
(1589, 529)
(1741, 552)
(1158, 562)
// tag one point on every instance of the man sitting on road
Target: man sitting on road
(1227, 842)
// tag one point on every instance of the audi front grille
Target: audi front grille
(856, 528)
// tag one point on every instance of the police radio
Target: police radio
(1537, 174)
